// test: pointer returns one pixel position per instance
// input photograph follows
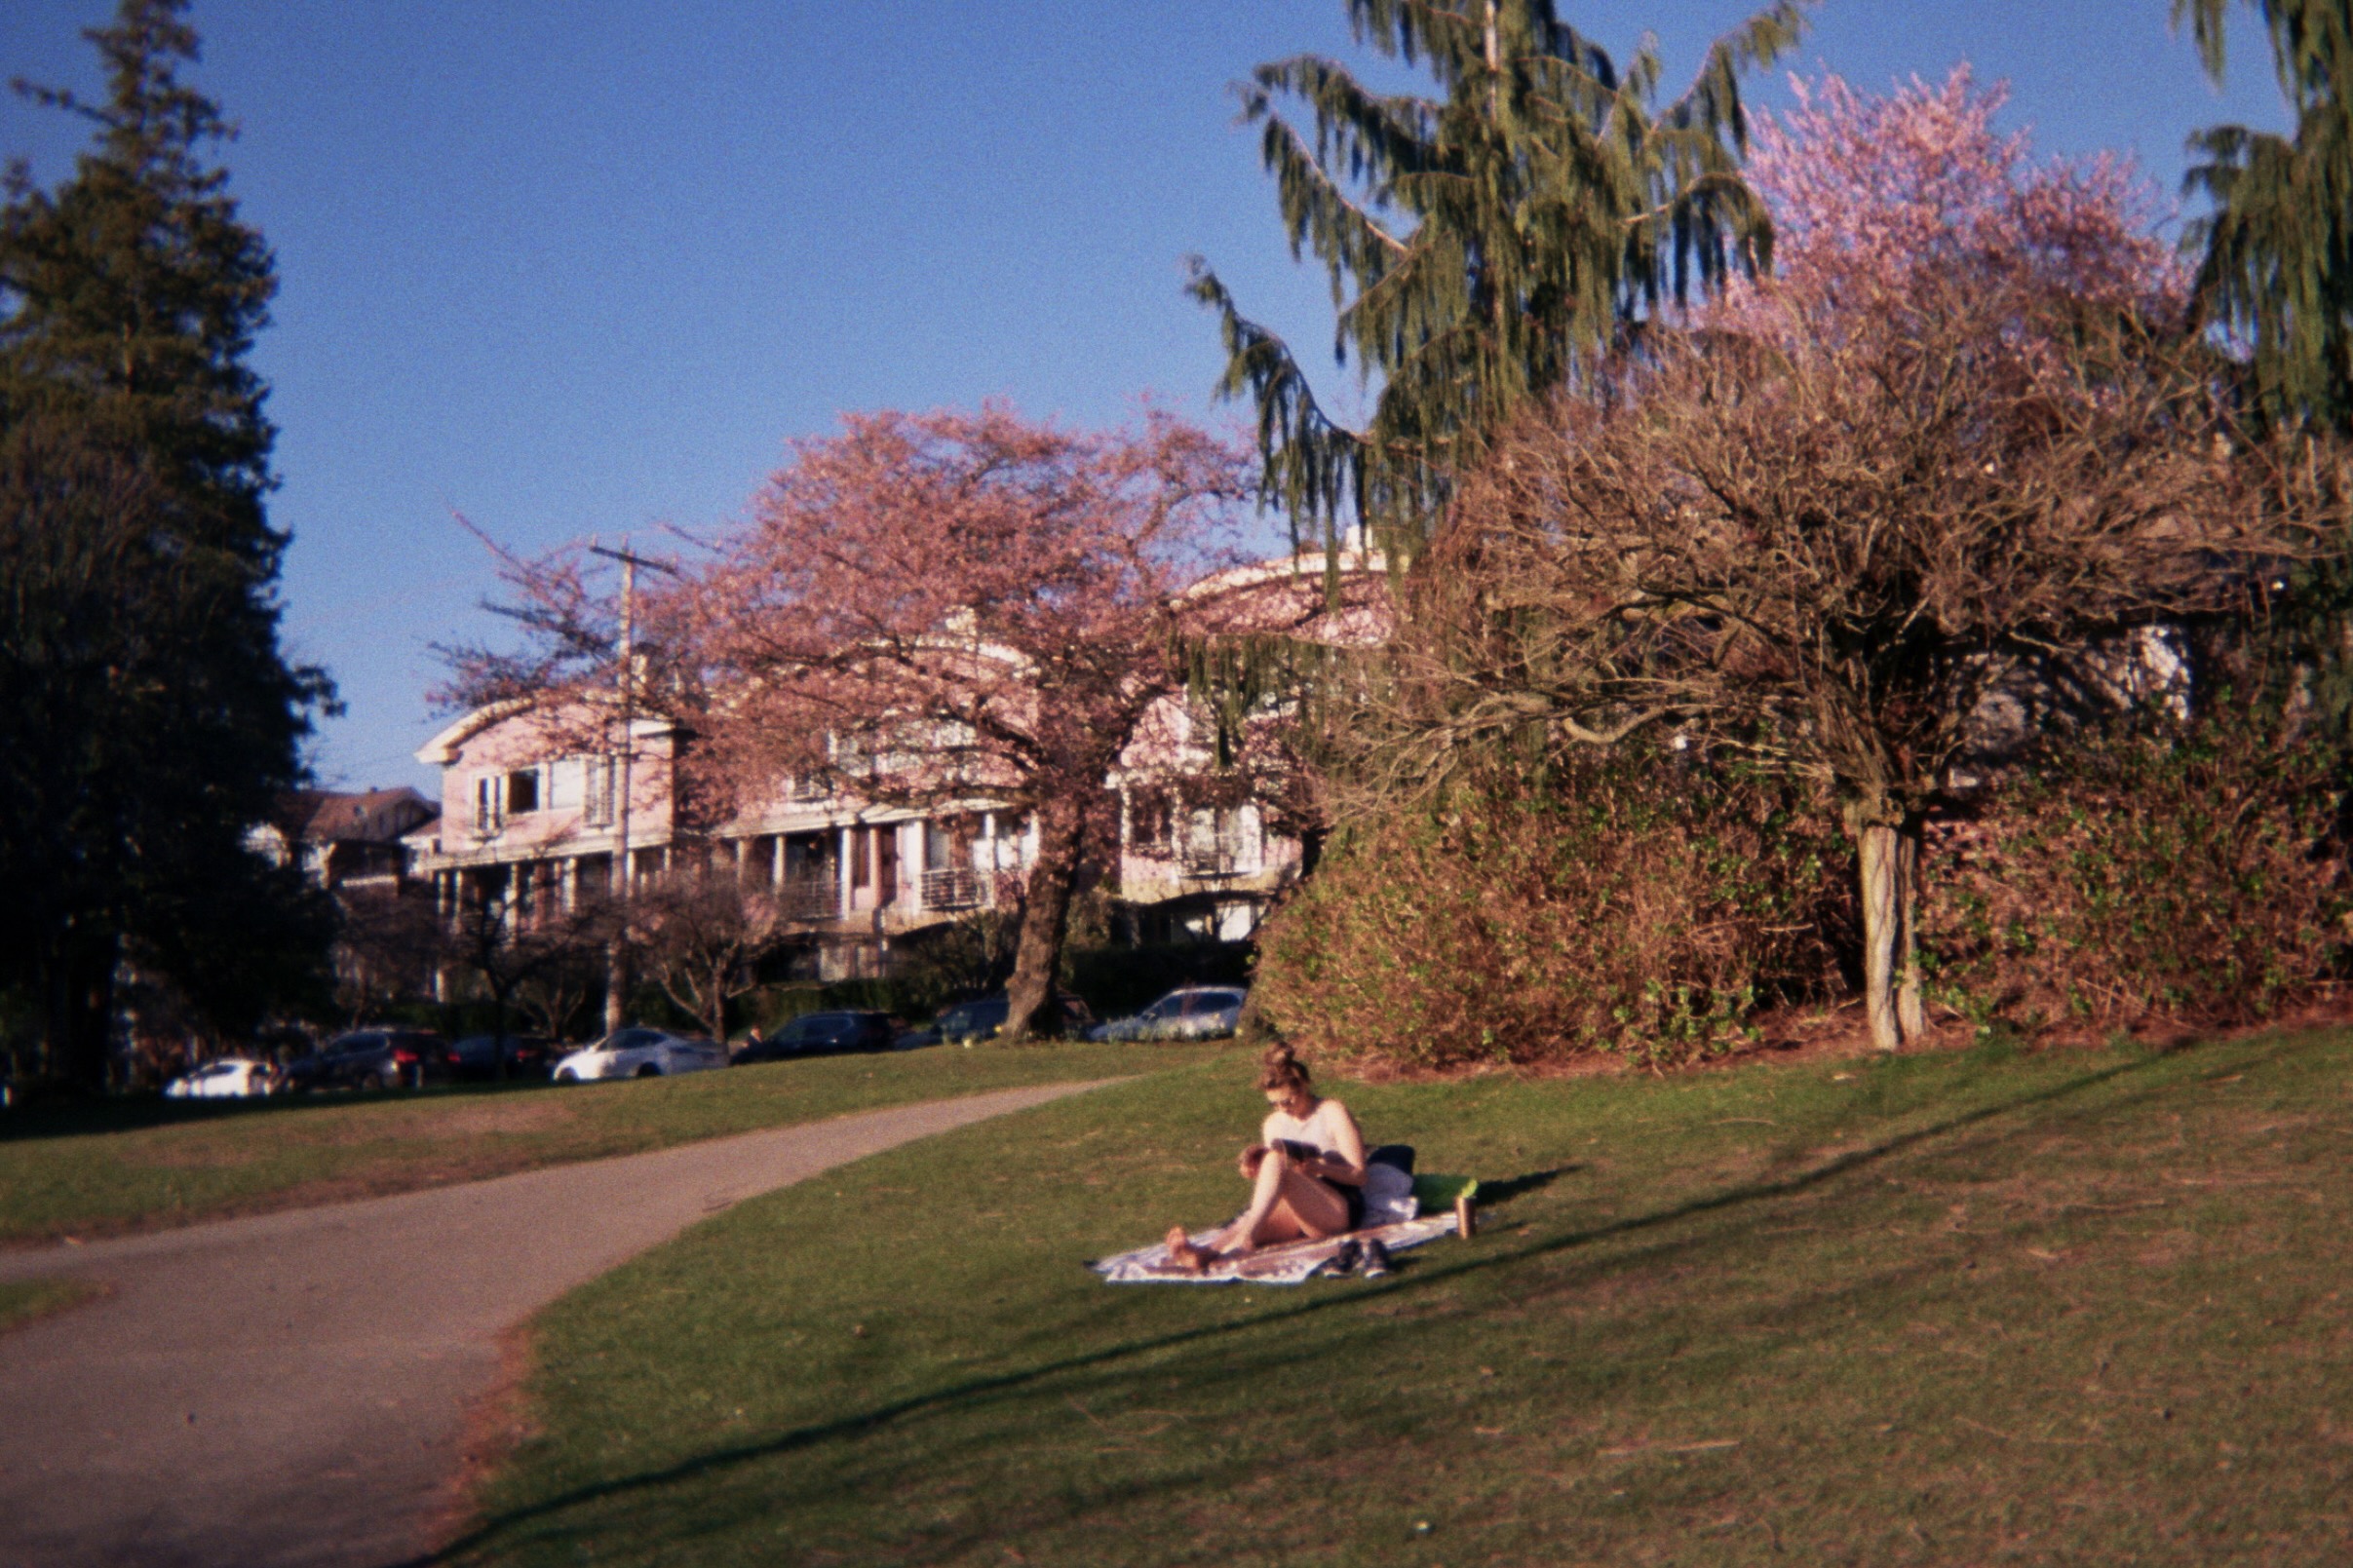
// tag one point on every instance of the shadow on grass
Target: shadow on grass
(1421, 1276)
(1511, 1187)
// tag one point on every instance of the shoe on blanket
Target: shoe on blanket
(1344, 1261)
(1375, 1262)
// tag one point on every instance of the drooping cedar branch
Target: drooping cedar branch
(1483, 243)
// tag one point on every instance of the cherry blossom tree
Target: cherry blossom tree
(957, 611)
(1962, 440)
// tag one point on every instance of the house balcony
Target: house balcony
(1198, 862)
(958, 887)
(808, 900)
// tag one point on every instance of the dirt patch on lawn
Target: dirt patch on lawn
(190, 1154)
(496, 1424)
(436, 1120)
(1799, 1037)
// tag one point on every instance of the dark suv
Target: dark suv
(824, 1033)
(371, 1058)
(485, 1056)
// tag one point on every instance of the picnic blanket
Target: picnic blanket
(1291, 1263)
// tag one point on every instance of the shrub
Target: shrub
(1642, 907)
(2192, 874)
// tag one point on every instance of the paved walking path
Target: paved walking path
(288, 1388)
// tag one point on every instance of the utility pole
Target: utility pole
(616, 954)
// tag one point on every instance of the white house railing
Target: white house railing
(956, 887)
(809, 898)
(1205, 861)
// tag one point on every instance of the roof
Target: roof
(329, 815)
(442, 751)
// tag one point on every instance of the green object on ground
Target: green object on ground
(23, 1300)
(2071, 1307)
(1437, 1193)
(147, 1162)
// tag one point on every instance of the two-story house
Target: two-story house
(541, 809)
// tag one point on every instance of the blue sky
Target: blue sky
(583, 268)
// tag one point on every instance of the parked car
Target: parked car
(639, 1051)
(985, 1016)
(371, 1058)
(816, 1034)
(479, 1056)
(224, 1078)
(1188, 1013)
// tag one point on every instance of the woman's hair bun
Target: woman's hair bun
(1280, 1068)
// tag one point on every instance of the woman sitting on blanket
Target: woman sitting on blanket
(1307, 1171)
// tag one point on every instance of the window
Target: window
(489, 806)
(523, 791)
(1148, 820)
(597, 790)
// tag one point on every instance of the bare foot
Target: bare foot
(1184, 1254)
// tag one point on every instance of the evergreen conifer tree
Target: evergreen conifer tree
(151, 717)
(2278, 248)
(2276, 270)
(1483, 244)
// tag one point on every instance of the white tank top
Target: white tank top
(1318, 1129)
(1388, 1192)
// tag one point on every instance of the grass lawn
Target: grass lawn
(23, 1300)
(1954, 1308)
(140, 1163)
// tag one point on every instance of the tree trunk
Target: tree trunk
(1912, 1014)
(498, 1039)
(616, 984)
(1890, 856)
(714, 1016)
(1045, 916)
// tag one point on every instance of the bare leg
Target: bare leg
(1285, 1205)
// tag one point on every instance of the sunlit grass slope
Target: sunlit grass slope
(1954, 1308)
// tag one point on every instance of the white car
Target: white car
(226, 1078)
(1188, 1013)
(639, 1053)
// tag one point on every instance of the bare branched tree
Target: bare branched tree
(699, 934)
(1823, 524)
(514, 948)
(386, 950)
